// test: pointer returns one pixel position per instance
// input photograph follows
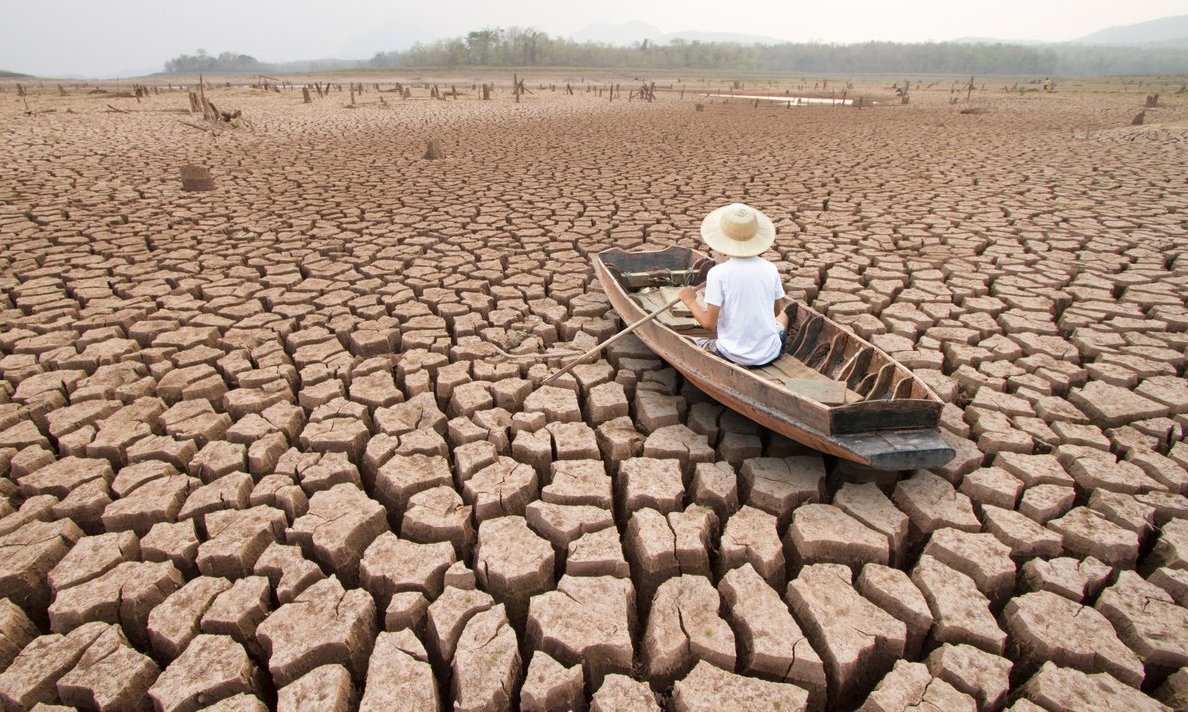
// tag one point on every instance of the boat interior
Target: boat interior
(822, 362)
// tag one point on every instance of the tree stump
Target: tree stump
(305, 97)
(195, 177)
(1138, 119)
(433, 152)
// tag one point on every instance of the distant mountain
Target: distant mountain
(1163, 32)
(619, 34)
(996, 40)
(1166, 32)
(385, 38)
(735, 37)
(628, 33)
(14, 75)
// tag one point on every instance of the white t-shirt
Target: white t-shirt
(745, 289)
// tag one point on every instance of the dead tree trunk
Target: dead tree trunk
(305, 97)
(208, 112)
(516, 87)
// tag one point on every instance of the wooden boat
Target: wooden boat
(831, 390)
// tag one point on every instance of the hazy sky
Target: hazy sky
(122, 37)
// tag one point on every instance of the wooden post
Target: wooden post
(202, 97)
(516, 87)
(352, 93)
(306, 98)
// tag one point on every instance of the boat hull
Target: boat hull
(742, 390)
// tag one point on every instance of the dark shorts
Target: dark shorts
(711, 345)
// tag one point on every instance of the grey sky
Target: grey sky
(125, 37)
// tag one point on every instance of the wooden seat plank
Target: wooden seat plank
(795, 368)
(824, 392)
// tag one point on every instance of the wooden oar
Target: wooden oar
(611, 340)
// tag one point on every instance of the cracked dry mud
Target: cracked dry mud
(263, 447)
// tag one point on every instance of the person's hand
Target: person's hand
(688, 295)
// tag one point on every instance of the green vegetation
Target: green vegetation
(518, 47)
(200, 61)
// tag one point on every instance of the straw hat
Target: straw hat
(738, 230)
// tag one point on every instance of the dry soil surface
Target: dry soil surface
(263, 446)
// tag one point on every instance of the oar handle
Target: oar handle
(611, 340)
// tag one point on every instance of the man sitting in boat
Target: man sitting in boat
(743, 295)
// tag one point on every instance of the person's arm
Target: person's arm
(708, 317)
(781, 300)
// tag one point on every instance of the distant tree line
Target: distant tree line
(527, 47)
(200, 61)
(518, 47)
